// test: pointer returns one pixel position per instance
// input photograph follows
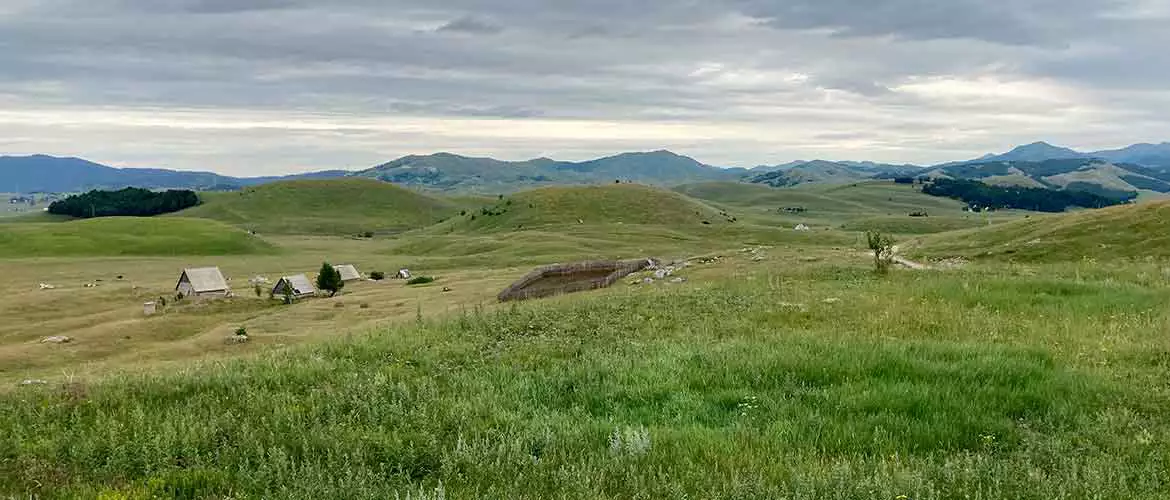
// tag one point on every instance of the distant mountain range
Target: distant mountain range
(40, 173)
(1141, 167)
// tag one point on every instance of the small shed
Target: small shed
(299, 284)
(202, 282)
(348, 272)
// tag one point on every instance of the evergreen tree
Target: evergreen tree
(329, 279)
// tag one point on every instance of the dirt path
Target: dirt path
(917, 266)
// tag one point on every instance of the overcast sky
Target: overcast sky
(253, 87)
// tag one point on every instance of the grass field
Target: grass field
(126, 236)
(331, 207)
(783, 369)
(561, 207)
(875, 205)
(1133, 232)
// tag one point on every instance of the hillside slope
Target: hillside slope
(340, 206)
(1129, 231)
(446, 171)
(862, 198)
(127, 236)
(1081, 174)
(590, 205)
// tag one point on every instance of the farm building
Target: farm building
(202, 282)
(348, 272)
(299, 284)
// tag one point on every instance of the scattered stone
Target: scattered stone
(832, 300)
(678, 280)
(236, 339)
(789, 305)
(647, 281)
(46, 286)
(34, 382)
(802, 228)
(403, 274)
(446, 289)
(57, 339)
(663, 273)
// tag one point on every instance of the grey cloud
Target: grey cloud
(471, 25)
(839, 66)
(1015, 22)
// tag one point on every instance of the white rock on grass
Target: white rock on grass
(58, 339)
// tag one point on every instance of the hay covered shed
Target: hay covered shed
(348, 272)
(202, 282)
(299, 285)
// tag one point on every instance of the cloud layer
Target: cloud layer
(270, 86)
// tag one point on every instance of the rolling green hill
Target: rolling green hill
(451, 172)
(1129, 231)
(130, 236)
(341, 206)
(868, 199)
(592, 206)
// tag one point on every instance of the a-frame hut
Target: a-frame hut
(299, 285)
(202, 282)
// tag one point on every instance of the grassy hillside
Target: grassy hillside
(127, 236)
(1129, 231)
(864, 199)
(610, 204)
(836, 384)
(338, 207)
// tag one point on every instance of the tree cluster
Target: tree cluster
(1038, 199)
(132, 202)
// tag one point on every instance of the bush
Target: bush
(377, 275)
(420, 280)
(882, 247)
(368, 234)
(241, 332)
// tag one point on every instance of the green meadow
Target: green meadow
(783, 367)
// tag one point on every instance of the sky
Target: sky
(261, 87)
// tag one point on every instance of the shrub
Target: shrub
(368, 234)
(377, 275)
(241, 332)
(882, 247)
(420, 280)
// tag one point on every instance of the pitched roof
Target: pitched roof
(205, 279)
(348, 272)
(300, 284)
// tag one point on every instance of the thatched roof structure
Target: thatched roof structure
(202, 281)
(348, 272)
(298, 284)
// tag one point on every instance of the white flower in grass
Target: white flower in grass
(630, 441)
